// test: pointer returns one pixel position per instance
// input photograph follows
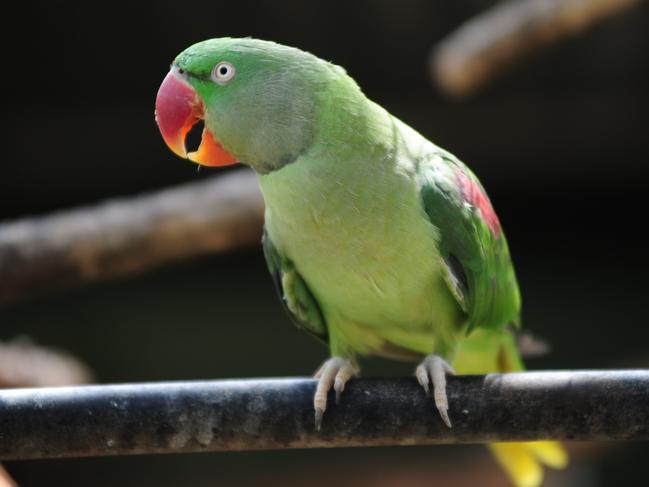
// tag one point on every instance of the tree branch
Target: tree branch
(122, 236)
(26, 364)
(488, 44)
(278, 414)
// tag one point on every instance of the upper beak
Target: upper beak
(178, 108)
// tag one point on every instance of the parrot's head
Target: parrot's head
(259, 102)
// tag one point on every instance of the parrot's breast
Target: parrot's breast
(358, 235)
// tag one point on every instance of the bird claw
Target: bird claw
(334, 373)
(433, 370)
(422, 378)
(443, 412)
(339, 387)
(319, 412)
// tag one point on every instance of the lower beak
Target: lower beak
(178, 108)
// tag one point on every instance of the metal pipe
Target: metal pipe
(178, 417)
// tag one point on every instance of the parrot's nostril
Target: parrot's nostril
(194, 136)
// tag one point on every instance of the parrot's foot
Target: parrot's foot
(434, 369)
(335, 373)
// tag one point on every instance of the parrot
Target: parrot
(379, 242)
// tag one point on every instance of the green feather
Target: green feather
(478, 268)
(296, 298)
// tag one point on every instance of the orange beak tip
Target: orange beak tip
(211, 153)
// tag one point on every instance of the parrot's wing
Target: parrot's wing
(476, 261)
(297, 299)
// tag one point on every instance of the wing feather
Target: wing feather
(296, 298)
(473, 248)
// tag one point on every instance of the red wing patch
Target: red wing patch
(473, 194)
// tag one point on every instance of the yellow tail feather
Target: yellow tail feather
(485, 351)
(524, 462)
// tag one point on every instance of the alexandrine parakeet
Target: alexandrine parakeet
(379, 241)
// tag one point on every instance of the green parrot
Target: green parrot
(379, 242)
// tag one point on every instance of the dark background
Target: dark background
(561, 143)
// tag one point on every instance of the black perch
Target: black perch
(178, 417)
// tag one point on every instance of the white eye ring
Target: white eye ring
(223, 72)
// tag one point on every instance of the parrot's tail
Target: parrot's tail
(524, 462)
(495, 351)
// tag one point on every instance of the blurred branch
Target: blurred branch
(5, 479)
(25, 364)
(488, 44)
(278, 414)
(127, 235)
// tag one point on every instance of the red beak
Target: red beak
(177, 109)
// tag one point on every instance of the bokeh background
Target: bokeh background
(561, 142)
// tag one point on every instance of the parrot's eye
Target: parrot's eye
(223, 72)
